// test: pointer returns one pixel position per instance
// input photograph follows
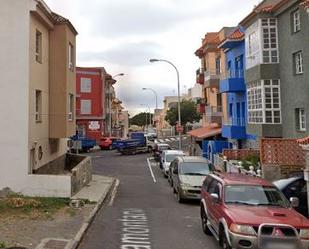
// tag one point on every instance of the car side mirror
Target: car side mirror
(294, 202)
(215, 197)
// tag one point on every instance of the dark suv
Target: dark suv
(248, 213)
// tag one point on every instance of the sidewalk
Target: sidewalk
(65, 228)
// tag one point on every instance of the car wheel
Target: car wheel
(223, 241)
(179, 199)
(205, 222)
(149, 149)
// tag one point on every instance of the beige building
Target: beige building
(37, 95)
(212, 66)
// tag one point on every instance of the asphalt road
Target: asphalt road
(145, 213)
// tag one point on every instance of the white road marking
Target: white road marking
(151, 172)
(173, 139)
(160, 140)
(135, 230)
(167, 140)
(114, 193)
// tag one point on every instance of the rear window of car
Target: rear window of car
(171, 157)
(163, 147)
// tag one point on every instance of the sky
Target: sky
(122, 35)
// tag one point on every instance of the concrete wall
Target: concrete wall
(294, 88)
(14, 92)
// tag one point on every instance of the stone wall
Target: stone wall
(81, 175)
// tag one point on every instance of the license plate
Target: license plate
(279, 245)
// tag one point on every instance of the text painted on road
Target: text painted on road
(135, 230)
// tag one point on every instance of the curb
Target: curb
(73, 244)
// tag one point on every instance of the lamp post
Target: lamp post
(110, 105)
(146, 125)
(155, 93)
(178, 85)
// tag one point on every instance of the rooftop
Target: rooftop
(242, 179)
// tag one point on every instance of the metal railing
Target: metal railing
(236, 74)
(230, 167)
(213, 111)
(208, 74)
(233, 121)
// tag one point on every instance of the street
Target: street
(144, 213)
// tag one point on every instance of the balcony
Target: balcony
(214, 114)
(235, 128)
(232, 81)
(199, 76)
(212, 79)
(200, 108)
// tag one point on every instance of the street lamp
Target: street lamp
(119, 74)
(178, 84)
(146, 125)
(156, 94)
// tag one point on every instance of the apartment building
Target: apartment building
(276, 37)
(212, 64)
(110, 95)
(90, 102)
(233, 84)
(37, 95)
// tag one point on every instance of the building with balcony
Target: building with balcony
(275, 73)
(110, 95)
(233, 84)
(37, 97)
(90, 102)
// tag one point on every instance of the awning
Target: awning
(205, 132)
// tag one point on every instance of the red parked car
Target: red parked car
(250, 213)
(106, 143)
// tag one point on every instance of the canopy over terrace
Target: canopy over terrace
(205, 132)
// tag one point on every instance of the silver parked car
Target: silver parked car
(167, 157)
(187, 176)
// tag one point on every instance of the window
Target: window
(38, 46)
(270, 40)
(264, 102)
(71, 107)
(71, 56)
(38, 106)
(85, 106)
(296, 20)
(252, 47)
(298, 62)
(85, 85)
(300, 119)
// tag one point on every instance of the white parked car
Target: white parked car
(167, 157)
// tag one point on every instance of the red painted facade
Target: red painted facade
(90, 123)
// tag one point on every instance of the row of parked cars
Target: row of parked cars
(240, 211)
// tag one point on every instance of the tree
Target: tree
(140, 119)
(188, 113)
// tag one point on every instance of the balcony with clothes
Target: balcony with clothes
(214, 114)
(232, 81)
(212, 78)
(200, 76)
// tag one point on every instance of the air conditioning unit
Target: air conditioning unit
(70, 116)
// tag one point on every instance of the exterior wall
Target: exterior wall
(14, 92)
(22, 75)
(62, 82)
(91, 124)
(294, 88)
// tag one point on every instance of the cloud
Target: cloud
(126, 54)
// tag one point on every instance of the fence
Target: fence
(240, 154)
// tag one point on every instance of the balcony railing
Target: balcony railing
(214, 111)
(232, 74)
(211, 74)
(233, 121)
(200, 76)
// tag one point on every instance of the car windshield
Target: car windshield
(163, 147)
(171, 157)
(198, 168)
(255, 196)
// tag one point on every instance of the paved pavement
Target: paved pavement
(145, 213)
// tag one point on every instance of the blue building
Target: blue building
(233, 84)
